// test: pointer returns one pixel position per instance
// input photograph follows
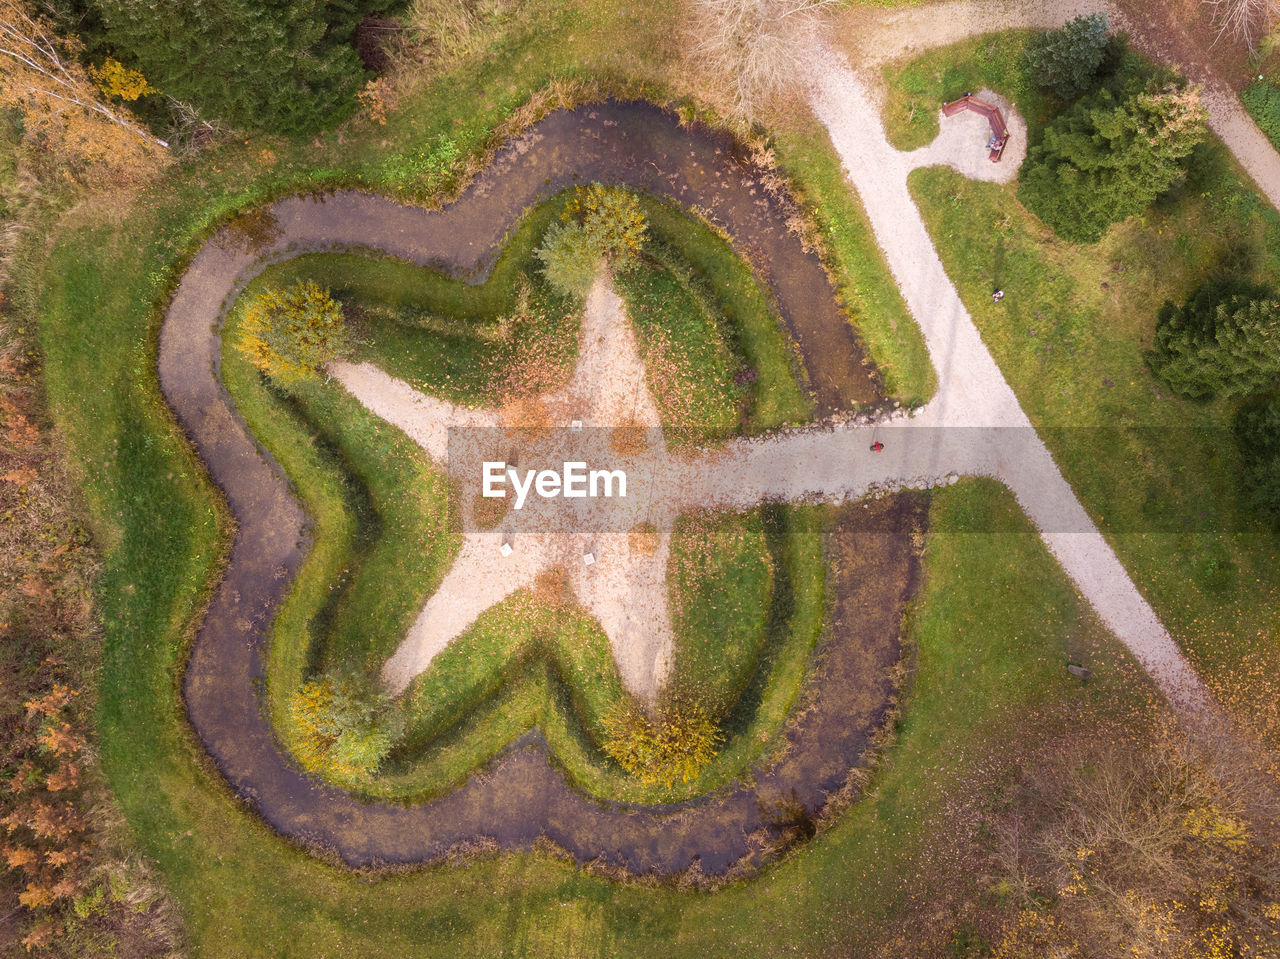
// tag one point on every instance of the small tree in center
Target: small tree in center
(343, 726)
(601, 224)
(291, 334)
(675, 744)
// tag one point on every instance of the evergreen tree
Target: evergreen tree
(252, 64)
(1257, 432)
(1224, 341)
(1067, 60)
(1109, 157)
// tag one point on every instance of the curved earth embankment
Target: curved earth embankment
(521, 796)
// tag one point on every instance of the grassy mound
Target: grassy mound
(385, 532)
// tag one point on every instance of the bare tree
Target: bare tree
(1243, 21)
(41, 66)
(757, 45)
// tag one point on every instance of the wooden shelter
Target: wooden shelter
(999, 131)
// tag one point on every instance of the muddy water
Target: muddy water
(522, 797)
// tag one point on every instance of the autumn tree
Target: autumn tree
(342, 727)
(1223, 341)
(601, 224)
(1159, 850)
(757, 47)
(672, 745)
(1110, 156)
(66, 109)
(291, 334)
(1243, 21)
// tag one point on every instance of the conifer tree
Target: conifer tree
(1224, 341)
(1067, 60)
(1110, 156)
(251, 64)
(1257, 432)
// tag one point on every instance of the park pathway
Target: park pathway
(972, 392)
(886, 34)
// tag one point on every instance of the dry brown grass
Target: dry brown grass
(62, 842)
(1156, 849)
(754, 48)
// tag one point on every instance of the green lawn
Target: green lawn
(719, 363)
(917, 88)
(721, 587)
(994, 622)
(1157, 473)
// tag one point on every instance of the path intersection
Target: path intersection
(973, 426)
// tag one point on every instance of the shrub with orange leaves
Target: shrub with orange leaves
(291, 334)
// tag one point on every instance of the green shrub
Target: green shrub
(341, 727)
(291, 334)
(1223, 341)
(1110, 156)
(602, 224)
(1066, 61)
(569, 260)
(673, 745)
(1257, 434)
(1262, 100)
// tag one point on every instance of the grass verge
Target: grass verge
(1156, 472)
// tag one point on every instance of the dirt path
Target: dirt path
(521, 797)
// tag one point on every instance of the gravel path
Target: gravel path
(877, 36)
(972, 391)
(974, 425)
(626, 590)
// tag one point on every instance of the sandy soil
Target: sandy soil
(625, 590)
(962, 139)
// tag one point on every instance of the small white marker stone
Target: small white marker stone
(505, 549)
(575, 424)
(589, 559)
